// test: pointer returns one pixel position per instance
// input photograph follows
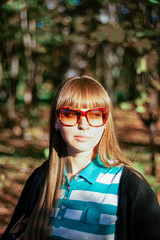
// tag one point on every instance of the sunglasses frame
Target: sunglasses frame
(83, 114)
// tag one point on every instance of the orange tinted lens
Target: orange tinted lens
(69, 117)
(96, 117)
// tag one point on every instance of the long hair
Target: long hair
(80, 92)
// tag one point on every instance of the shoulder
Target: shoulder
(135, 188)
(138, 208)
(37, 175)
(41, 169)
(33, 185)
(131, 177)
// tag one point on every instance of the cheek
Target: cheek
(66, 133)
(98, 133)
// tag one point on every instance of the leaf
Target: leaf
(144, 96)
(154, 1)
(126, 106)
(142, 65)
(74, 2)
(140, 109)
(148, 33)
(46, 153)
(15, 5)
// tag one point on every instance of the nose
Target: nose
(83, 124)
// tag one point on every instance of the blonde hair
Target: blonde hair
(80, 92)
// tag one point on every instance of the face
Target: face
(82, 137)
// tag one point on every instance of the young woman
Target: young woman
(87, 189)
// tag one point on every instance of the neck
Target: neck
(77, 162)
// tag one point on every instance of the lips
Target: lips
(80, 138)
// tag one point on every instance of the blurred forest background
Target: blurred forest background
(42, 42)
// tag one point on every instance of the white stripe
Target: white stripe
(87, 196)
(109, 178)
(52, 213)
(73, 214)
(107, 219)
(74, 234)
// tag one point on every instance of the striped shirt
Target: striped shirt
(87, 206)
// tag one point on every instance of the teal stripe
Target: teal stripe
(97, 187)
(56, 237)
(104, 208)
(80, 205)
(88, 228)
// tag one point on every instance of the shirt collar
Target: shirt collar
(92, 171)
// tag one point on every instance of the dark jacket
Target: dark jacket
(138, 209)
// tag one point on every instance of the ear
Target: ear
(57, 125)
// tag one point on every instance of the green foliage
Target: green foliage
(20, 90)
(141, 65)
(126, 105)
(45, 91)
(46, 153)
(14, 5)
(140, 167)
(140, 109)
(51, 39)
(141, 102)
(154, 1)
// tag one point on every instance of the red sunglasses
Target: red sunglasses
(69, 116)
